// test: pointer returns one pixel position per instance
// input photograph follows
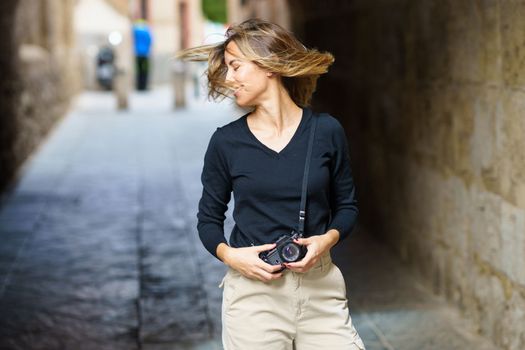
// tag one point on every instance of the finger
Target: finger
(276, 268)
(266, 276)
(308, 259)
(303, 261)
(269, 268)
(302, 266)
(264, 247)
(302, 241)
(295, 269)
(295, 265)
(276, 276)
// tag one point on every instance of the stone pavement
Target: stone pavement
(99, 248)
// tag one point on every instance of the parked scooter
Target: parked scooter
(106, 67)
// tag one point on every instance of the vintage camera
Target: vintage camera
(285, 251)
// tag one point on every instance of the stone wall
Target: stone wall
(432, 94)
(39, 76)
(9, 89)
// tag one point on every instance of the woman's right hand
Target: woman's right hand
(246, 260)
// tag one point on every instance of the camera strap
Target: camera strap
(302, 209)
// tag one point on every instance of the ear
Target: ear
(269, 74)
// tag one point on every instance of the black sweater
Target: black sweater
(267, 184)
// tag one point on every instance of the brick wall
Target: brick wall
(432, 94)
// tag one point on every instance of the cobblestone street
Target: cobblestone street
(100, 250)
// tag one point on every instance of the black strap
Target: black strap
(302, 209)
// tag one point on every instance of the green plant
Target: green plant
(215, 10)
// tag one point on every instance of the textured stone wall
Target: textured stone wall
(9, 88)
(432, 94)
(39, 76)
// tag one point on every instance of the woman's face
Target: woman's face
(250, 81)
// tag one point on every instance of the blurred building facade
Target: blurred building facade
(277, 11)
(94, 22)
(50, 49)
(39, 72)
(174, 24)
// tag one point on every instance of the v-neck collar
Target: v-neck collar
(304, 116)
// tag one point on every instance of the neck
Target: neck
(277, 111)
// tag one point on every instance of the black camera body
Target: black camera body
(285, 251)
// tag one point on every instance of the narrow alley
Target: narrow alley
(105, 121)
(100, 250)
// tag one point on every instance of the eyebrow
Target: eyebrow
(235, 59)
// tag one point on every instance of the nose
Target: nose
(229, 76)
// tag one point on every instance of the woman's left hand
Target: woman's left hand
(317, 245)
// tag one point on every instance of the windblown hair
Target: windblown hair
(272, 48)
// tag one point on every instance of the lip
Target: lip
(236, 92)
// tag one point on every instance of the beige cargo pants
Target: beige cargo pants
(300, 311)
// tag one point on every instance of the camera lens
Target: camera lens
(290, 252)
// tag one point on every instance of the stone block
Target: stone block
(465, 42)
(485, 219)
(512, 157)
(491, 43)
(520, 195)
(513, 42)
(485, 142)
(509, 333)
(457, 280)
(512, 234)
(453, 213)
(485, 289)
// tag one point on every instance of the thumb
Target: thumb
(261, 248)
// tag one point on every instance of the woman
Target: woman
(261, 158)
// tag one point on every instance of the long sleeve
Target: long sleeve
(216, 194)
(343, 202)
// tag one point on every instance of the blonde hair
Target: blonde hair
(272, 48)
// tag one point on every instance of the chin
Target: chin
(243, 104)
